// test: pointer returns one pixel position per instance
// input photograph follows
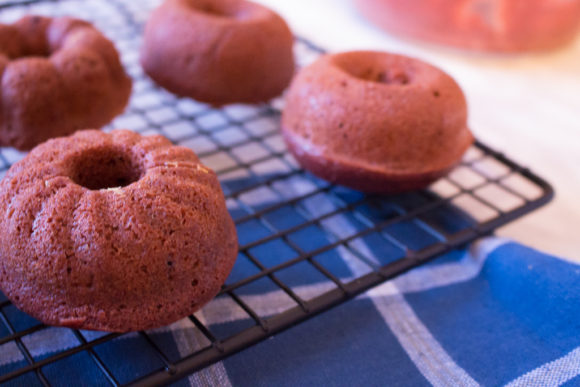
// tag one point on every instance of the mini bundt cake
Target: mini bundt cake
(58, 75)
(218, 51)
(113, 231)
(487, 25)
(375, 122)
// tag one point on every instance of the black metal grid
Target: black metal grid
(277, 207)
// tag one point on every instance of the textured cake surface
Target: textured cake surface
(113, 232)
(218, 51)
(376, 122)
(58, 75)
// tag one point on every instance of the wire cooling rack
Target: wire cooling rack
(305, 245)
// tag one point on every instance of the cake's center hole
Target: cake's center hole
(38, 51)
(374, 69)
(379, 75)
(392, 77)
(215, 9)
(34, 44)
(105, 168)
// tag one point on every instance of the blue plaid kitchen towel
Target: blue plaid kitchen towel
(496, 313)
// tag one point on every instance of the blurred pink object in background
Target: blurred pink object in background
(485, 25)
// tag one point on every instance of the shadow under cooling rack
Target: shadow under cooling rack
(305, 245)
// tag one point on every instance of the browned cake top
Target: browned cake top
(377, 111)
(112, 231)
(218, 51)
(58, 75)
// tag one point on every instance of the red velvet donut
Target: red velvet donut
(58, 75)
(218, 51)
(113, 232)
(488, 25)
(375, 122)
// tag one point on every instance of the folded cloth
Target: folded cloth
(496, 313)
